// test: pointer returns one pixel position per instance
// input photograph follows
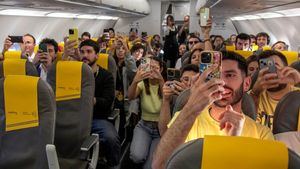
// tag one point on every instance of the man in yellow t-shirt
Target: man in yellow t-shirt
(271, 86)
(205, 124)
(214, 107)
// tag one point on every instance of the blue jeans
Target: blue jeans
(145, 139)
(109, 140)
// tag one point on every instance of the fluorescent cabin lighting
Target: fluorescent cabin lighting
(267, 15)
(62, 15)
(20, 12)
(270, 15)
(87, 16)
(25, 12)
(290, 12)
(251, 17)
(238, 18)
(100, 17)
(107, 18)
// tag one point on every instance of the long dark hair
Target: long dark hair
(172, 19)
(162, 66)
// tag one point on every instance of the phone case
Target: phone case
(16, 39)
(145, 64)
(216, 59)
(204, 16)
(267, 62)
(43, 47)
(73, 35)
(173, 74)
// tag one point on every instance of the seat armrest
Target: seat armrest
(114, 115)
(92, 142)
(52, 156)
(89, 142)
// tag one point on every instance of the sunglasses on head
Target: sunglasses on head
(193, 42)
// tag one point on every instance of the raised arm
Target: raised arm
(179, 130)
(206, 35)
(133, 91)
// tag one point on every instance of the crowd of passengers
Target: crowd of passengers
(213, 107)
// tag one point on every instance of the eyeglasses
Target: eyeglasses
(193, 42)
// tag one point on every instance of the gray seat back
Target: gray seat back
(26, 148)
(30, 69)
(286, 113)
(112, 66)
(74, 119)
(248, 105)
(181, 100)
(296, 65)
(253, 79)
(189, 156)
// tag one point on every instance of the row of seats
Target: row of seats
(58, 117)
(291, 56)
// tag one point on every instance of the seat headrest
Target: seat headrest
(17, 67)
(68, 80)
(228, 149)
(230, 48)
(248, 106)
(239, 152)
(254, 78)
(286, 115)
(181, 100)
(245, 54)
(13, 55)
(296, 65)
(103, 60)
(291, 56)
(59, 56)
(21, 102)
(14, 67)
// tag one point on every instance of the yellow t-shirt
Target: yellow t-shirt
(206, 125)
(150, 104)
(267, 104)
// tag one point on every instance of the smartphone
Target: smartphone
(73, 35)
(209, 58)
(267, 62)
(145, 64)
(144, 36)
(43, 47)
(204, 16)
(173, 74)
(16, 39)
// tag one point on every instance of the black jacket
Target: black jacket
(104, 94)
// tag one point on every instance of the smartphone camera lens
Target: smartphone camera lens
(71, 31)
(171, 73)
(206, 57)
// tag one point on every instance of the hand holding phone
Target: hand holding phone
(173, 74)
(16, 39)
(43, 48)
